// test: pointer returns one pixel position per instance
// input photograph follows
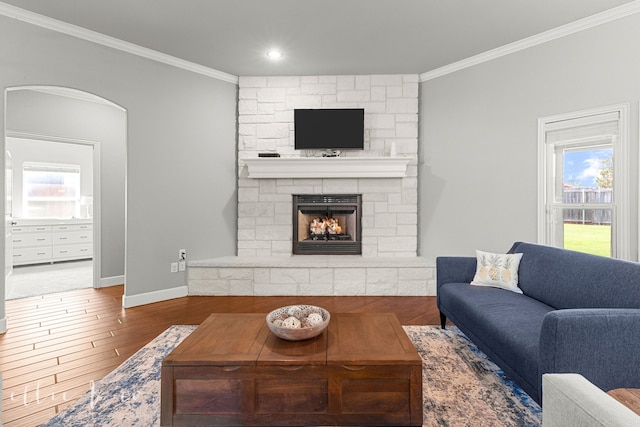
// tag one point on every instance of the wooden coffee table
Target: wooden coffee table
(362, 370)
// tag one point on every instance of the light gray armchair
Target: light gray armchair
(570, 400)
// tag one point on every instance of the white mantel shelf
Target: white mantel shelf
(327, 167)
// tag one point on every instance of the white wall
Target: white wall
(478, 134)
(181, 147)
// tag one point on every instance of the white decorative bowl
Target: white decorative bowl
(313, 320)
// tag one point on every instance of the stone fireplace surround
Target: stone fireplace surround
(385, 173)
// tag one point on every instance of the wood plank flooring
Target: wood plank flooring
(58, 344)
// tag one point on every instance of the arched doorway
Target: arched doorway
(57, 117)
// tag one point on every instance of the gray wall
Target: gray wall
(181, 145)
(59, 116)
(478, 135)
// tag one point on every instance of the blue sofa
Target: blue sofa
(578, 313)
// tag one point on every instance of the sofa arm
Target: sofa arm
(603, 345)
(570, 400)
(452, 270)
(455, 269)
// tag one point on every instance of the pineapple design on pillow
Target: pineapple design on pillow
(506, 273)
(482, 272)
(494, 271)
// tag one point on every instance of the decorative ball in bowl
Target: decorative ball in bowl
(298, 322)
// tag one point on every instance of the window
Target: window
(583, 199)
(51, 190)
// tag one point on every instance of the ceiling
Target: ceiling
(328, 37)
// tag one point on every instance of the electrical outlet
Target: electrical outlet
(182, 254)
(182, 265)
(174, 267)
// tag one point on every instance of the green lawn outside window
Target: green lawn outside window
(593, 239)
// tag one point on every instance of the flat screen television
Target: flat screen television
(329, 129)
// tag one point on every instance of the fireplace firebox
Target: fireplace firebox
(327, 224)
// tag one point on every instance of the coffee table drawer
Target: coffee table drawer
(375, 395)
(223, 396)
(291, 395)
(378, 394)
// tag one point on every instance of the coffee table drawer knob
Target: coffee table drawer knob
(290, 368)
(354, 368)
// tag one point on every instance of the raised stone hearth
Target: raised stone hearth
(384, 173)
(312, 275)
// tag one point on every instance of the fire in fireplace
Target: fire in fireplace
(327, 224)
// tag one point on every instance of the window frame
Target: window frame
(621, 225)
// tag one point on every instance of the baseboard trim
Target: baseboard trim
(105, 282)
(129, 301)
(3, 325)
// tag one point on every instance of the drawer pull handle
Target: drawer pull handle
(354, 368)
(290, 368)
(230, 368)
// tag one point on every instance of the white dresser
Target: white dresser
(45, 241)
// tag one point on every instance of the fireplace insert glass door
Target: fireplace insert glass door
(327, 224)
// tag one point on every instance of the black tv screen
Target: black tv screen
(329, 129)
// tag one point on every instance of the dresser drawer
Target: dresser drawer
(72, 251)
(72, 227)
(31, 229)
(31, 255)
(31, 239)
(72, 237)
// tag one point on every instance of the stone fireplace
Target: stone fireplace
(327, 224)
(277, 255)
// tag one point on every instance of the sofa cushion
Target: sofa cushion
(497, 270)
(507, 323)
(567, 279)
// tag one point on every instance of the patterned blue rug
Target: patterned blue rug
(461, 387)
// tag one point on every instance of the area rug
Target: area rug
(461, 387)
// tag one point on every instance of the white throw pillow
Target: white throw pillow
(497, 270)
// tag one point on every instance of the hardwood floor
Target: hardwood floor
(58, 344)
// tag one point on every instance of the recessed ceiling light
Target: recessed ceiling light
(274, 54)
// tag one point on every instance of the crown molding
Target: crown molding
(538, 39)
(112, 42)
